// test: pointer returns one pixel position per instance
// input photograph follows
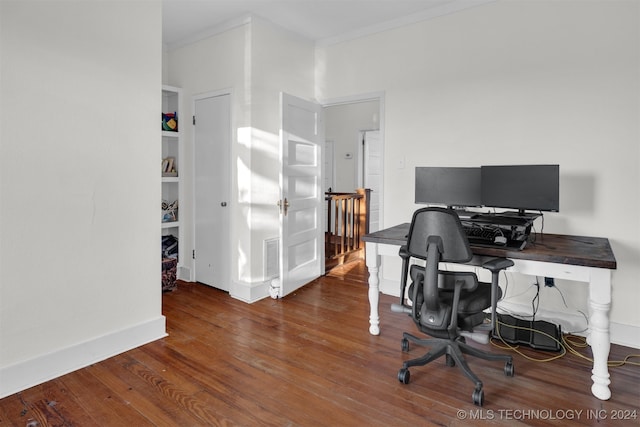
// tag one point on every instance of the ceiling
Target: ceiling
(324, 21)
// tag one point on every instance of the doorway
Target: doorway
(212, 189)
(355, 127)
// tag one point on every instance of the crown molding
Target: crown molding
(435, 12)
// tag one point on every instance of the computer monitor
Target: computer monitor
(521, 187)
(450, 186)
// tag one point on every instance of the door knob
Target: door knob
(283, 205)
(223, 204)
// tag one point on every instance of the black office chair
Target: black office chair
(447, 305)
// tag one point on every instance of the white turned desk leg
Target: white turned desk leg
(599, 341)
(598, 338)
(373, 264)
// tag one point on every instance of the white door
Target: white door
(212, 144)
(329, 179)
(373, 176)
(302, 196)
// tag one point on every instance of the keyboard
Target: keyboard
(481, 233)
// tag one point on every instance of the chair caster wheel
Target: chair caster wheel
(403, 376)
(478, 397)
(405, 344)
(450, 361)
(508, 369)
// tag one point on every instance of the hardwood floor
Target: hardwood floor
(308, 360)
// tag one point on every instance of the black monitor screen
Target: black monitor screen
(451, 186)
(522, 187)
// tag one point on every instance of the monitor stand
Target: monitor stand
(465, 214)
(520, 214)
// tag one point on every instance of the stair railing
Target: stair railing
(347, 222)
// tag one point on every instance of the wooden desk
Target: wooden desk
(579, 258)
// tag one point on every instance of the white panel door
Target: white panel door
(302, 196)
(212, 144)
(373, 176)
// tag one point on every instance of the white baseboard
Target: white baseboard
(22, 375)
(626, 335)
(249, 292)
(390, 287)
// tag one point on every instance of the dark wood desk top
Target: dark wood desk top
(555, 248)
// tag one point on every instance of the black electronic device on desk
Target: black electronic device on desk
(499, 230)
(458, 188)
(520, 188)
(455, 187)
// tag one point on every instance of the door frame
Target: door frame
(354, 99)
(231, 202)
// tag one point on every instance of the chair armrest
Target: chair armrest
(403, 252)
(497, 264)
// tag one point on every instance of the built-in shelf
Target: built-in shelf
(172, 149)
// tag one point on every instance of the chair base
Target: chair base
(453, 350)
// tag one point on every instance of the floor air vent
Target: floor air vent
(271, 252)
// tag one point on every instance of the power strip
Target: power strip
(526, 332)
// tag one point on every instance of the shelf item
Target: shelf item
(170, 122)
(169, 274)
(169, 211)
(169, 165)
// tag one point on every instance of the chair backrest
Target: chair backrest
(436, 235)
(440, 222)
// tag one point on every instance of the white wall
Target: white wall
(256, 60)
(79, 185)
(515, 82)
